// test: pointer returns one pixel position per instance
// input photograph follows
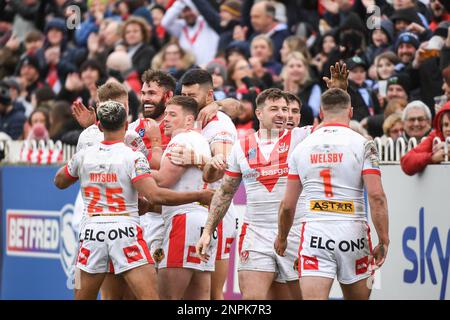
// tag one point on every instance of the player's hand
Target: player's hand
(85, 116)
(203, 245)
(280, 246)
(339, 77)
(206, 196)
(143, 206)
(208, 113)
(379, 254)
(183, 156)
(134, 141)
(218, 162)
(153, 132)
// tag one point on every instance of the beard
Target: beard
(160, 107)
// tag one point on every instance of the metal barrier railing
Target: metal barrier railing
(391, 151)
(36, 152)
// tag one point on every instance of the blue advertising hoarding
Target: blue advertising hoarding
(38, 241)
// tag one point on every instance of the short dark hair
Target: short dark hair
(197, 76)
(111, 115)
(270, 94)
(290, 97)
(335, 100)
(188, 104)
(163, 79)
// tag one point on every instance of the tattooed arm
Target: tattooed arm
(219, 206)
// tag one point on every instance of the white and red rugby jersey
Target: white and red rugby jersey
(330, 164)
(107, 171)
(263, 167)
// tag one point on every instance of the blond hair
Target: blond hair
(296, 55)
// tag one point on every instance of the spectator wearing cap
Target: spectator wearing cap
(218, 73)
(194, 30)
(12, 117)
(172, 58)
(28, 71)
(427, 152)
(417, 121)
(364, 100)
(381, 40)
(439, 13)
(265, 21)
(406, 46)
(397, 87)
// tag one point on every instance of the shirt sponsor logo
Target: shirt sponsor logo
(344, 207)
(113, 234)
(344, 245)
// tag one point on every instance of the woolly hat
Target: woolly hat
(233, 7)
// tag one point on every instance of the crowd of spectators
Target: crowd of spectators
(55, 52)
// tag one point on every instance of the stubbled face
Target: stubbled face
(417, 123)
(199, 93)
(396, 91)
(153, 99)
(294, 116)
(189, 16)
(175, 120)
(273, 115)
(406, 52)
(396, 130)
(385, 69)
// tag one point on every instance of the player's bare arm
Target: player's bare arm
(229, 106)
(218, 208)
(156, 195)
(168, 174)
(153, 133)
(286, 214)
(215, 168)
(62, 179)
(379, 213)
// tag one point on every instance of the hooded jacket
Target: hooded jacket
(418, 158)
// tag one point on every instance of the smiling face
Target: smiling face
(296, 70)
(261, 49)
(153, 99)
(417, 123)
(406, 52)
(273, 114)
(176, 120)
(294, 116)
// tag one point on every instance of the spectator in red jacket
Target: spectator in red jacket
(425, 153)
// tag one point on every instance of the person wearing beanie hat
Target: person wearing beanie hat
(398, 86)
(29, 72)
(235, 50)
(406, 46)
(402, 18)
(231, 8)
